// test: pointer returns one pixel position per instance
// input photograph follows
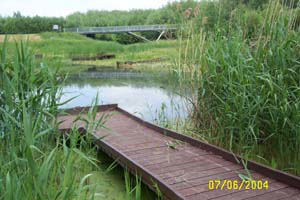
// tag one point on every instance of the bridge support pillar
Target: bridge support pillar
(139, 36)
(161, 34)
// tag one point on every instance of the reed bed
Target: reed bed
(37, 161)
(246, 83)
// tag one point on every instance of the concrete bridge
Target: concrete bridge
(90, 31)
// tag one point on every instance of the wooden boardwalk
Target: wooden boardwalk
(180, 166)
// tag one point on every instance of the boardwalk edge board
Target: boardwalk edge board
(148, 177)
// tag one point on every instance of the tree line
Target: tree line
(205, 13)
(18, 24)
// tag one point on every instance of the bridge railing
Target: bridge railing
(115, 29)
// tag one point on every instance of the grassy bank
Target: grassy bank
(247, 86)
(58, 48)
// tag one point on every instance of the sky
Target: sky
(65, 7)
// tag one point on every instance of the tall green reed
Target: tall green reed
(247, 89)
(33, 164)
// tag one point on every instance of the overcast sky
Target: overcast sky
(65, 7)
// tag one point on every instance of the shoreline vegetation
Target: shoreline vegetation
(242, 59)
(246, 74)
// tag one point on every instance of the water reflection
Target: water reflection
(142, 94)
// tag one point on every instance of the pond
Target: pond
(151, 96)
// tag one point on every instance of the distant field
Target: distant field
(18, 37)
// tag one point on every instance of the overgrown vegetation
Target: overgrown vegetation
(246, 76)
(35, 164)
(240, 58)
(36, 161)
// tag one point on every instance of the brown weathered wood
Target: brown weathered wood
(234, 194)
(293, 197)
(204, 180)
(181, 170)
(278, 194)
(130, 63)
(97, 57)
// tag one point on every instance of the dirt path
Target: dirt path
(18, 37)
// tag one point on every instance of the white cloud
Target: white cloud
(66, 7)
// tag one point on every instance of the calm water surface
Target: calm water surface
(146, 95)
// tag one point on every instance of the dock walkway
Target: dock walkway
(179, 165)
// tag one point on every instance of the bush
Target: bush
(105, 37)
(125, 38)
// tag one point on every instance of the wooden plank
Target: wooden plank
(232, 175)
(168, 163)
(171, 155)
(96, 57)
(183, 172)
(294, 197)
(268, 171)
(154, 151)
(193, 175)
(141, 146)
(189, 191)
(132, 141)
(277, 194)
(202, 161)
(201, 168)
(226, 194)
(136, 169)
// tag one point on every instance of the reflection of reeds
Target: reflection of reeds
(246, 83)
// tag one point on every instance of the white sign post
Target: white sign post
(55, 27)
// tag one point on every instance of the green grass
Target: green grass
(58, 48)
(67, 44)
